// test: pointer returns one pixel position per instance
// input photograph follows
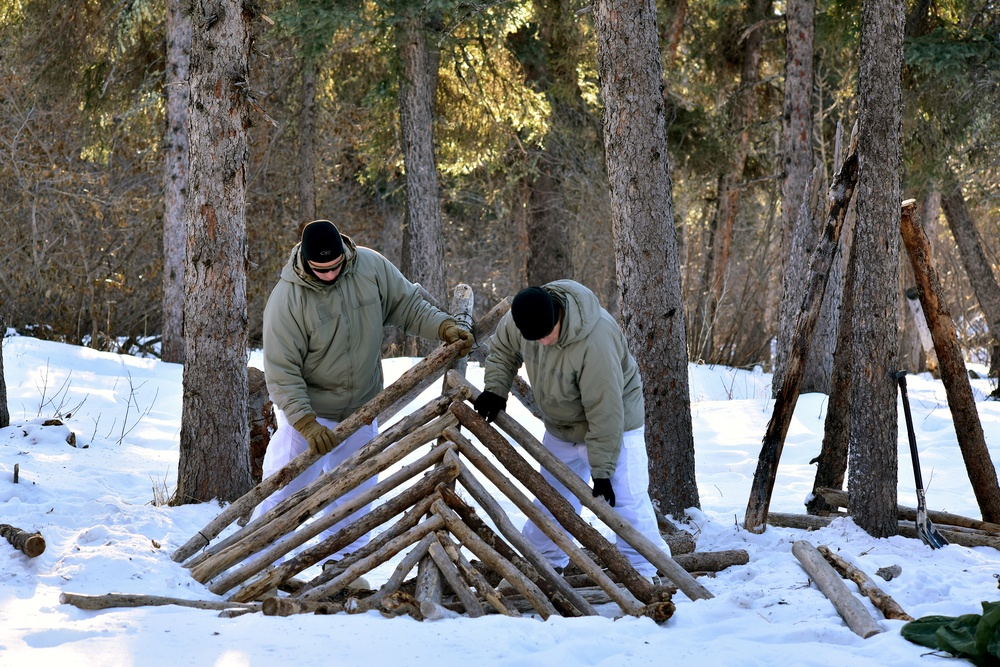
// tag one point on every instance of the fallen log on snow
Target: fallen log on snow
(827, 580)
(838, 498)
(889, 607)
(960, 536)
(30, 544)
(112, 600)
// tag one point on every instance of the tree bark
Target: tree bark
(647, 269)
(175, 149)
(423, 255)
(215, 435)
(954, 375)
(307, 140)
(889, 607)
(872, 452)
(977, 266)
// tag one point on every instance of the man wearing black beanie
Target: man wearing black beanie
(587, 387)
(322, 350)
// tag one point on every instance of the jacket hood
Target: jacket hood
(295, 272)
(581, 310)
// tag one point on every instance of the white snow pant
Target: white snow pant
(630, 483)
(286, 444)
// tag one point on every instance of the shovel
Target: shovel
(925, 529)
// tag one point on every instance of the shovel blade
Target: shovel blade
(928, 534)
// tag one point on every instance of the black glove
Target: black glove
(489, 405)
(602, 487)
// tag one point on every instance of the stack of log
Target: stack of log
(957, 529)
(425, 517)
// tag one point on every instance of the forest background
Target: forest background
(517, 143)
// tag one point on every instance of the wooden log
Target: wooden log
(827, 580)
(553, 500)
(405, 427)
(882, 600)
(416, 496)
(712, 561)
(957, 536)
(271, 555)
(454, 578)
(551, 582)
(623, 598)
(838, 498)
(362, 566)
(30, 544)
(954, 374)
(113, 600)
(410, 561)
(429, 587)
(437, 360)
(663, 563)
(494, 560)
(475, 577)
(292, 606)
(841, 192)
(405, 399)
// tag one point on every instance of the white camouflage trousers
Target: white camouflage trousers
(631, 486)
(286, 444)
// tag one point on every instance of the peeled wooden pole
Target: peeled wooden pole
(889, 607)
(454, 578)
(30, 544)
(112, 600)
(827, 580)
(531, 553)
(437, 360)
(684, 581)
(342, 479)
(404, 427)
(409, 562)
(271, 555)
(623, 598)
(484, 588)
(954, 374)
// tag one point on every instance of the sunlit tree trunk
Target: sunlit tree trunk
(652, 313)
(872, 459)
(175, 149)
(977, 266)
(215, 435)
(4, 412)
(422, 254)
(307, 141)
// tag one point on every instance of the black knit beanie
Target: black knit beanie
(321, 242)
(534, 313)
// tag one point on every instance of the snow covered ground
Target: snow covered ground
(97, 505)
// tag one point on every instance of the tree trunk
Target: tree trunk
(4, 411)
(175, 149)
(977, 266)
(744, 116)
(422, 253)
(647, 269)
(307, 140)
(954, 375)
(215, 434)
(872, 452)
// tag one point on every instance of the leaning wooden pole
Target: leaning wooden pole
(823, 256)
(954, 374)
(435, 361)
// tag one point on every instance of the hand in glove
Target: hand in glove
(602, 487)
(489, 405)
(319, 437)
(449, 332)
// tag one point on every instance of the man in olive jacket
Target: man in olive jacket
(322, 351)
(586, 385)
